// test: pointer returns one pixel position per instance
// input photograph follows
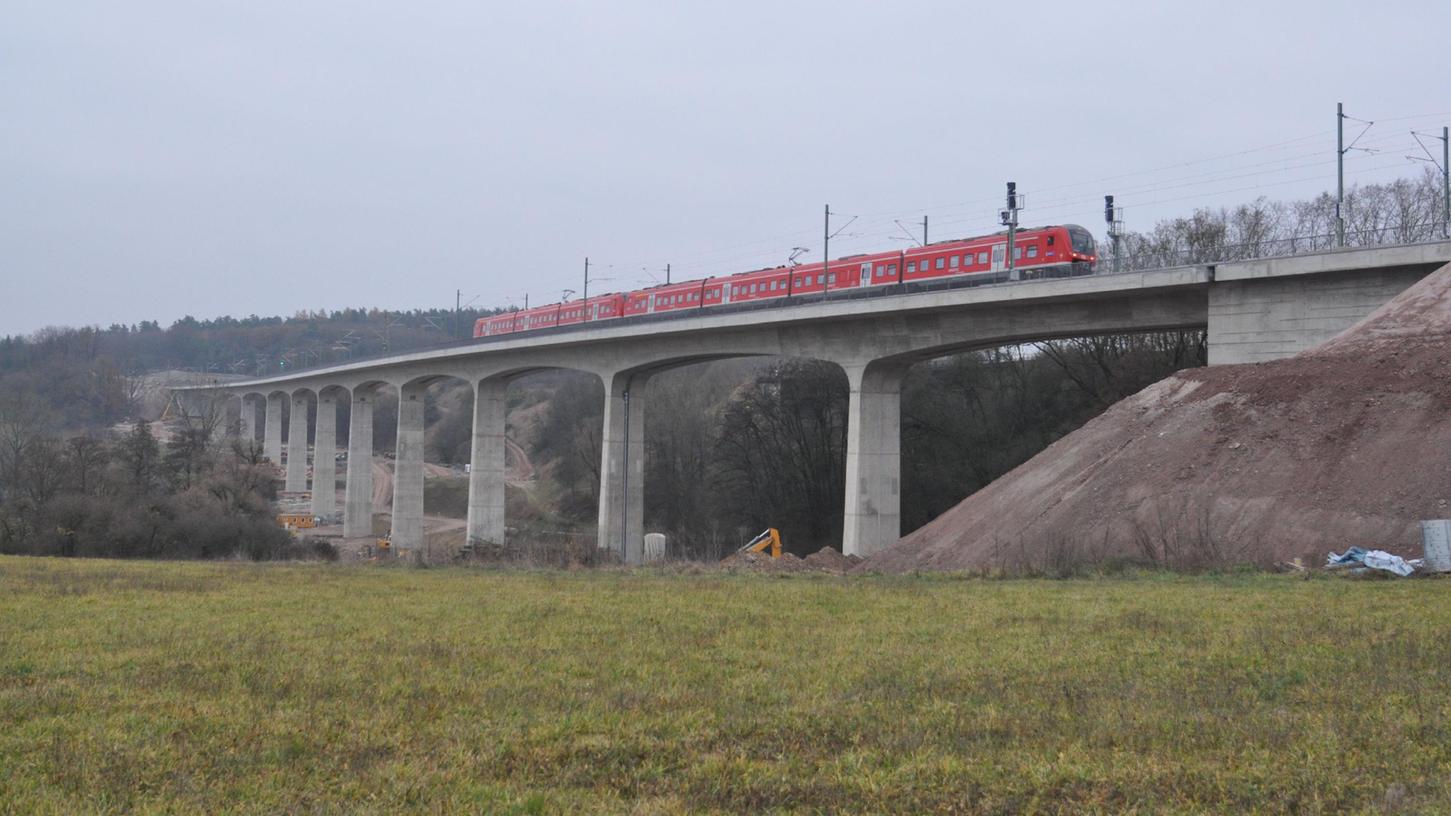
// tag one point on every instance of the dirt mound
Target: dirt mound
(1342, 444)
(829, 559)
(826, 559)
(762, 562)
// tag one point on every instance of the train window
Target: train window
(1050, 240)
(891, 269)
(912, 267)
(831, 277)
(952, 262)
(941, 262)
(1017, 253)
(1033, 251)
(982, 257)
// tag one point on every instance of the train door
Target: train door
(725, 292)
(650, 304)
(998, 257)
(866, 274)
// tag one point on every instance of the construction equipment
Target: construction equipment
(770, 538)
(297, 521)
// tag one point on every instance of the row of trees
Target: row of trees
(92, 378)
(130, 496)
(1400, 211)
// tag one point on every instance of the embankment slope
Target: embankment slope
(1346, 443)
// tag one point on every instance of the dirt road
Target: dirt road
(382, 485)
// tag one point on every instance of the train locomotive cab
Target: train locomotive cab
(1084, 251)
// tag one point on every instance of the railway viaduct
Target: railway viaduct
(1253, 311)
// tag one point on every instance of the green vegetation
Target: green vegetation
(446, 497)
(192, 687)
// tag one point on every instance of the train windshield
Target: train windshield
(1082, 240)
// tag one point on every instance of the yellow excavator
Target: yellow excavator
(769, 539)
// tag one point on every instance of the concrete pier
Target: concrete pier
(272, 428)
(358, 500)
(297, 444)
(408, 470)
(873, 517)
(486, 463)
(325, 455)
(622, 467)
(247, 427)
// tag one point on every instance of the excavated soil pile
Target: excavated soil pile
(829, 559)
(1345, 444)
(826, 559)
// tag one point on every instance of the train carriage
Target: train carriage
(1055, 251)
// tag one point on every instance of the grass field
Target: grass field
(187, 688)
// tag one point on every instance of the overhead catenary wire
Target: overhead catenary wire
(974, 224)
(1207, 177)
(1292, 153)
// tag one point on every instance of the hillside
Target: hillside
(1342, 444)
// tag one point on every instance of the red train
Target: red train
(1057, 251)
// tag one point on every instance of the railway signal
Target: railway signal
(1010, 220)
(1114, 216)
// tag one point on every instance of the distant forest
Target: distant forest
(93, 377)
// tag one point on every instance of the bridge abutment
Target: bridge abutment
(1255, 319)
(358, 498)
(873, 510)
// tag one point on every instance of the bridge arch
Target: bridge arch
(487, 521)
(408, 533)
(362, 397)
(325, 451)
(251, 403)
(276, 408)
(622, 519)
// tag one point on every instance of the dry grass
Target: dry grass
(162, 687)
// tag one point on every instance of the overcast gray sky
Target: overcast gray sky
(162, 159)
